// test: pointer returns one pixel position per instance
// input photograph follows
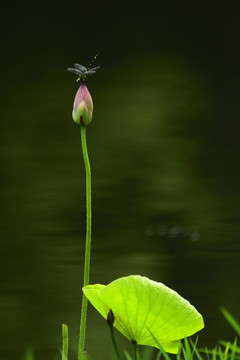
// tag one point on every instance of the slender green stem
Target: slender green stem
(65, 342)
(114, 342)
(134, 350)
(81, 352)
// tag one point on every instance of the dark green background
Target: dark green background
(164, 149)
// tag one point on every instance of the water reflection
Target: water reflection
(173, 232)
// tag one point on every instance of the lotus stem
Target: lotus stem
(114, 341)
(134, 344)
(81, 352)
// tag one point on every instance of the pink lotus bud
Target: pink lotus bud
(82, 106)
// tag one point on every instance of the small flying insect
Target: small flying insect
(82, 71)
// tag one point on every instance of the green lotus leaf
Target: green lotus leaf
(143, 307)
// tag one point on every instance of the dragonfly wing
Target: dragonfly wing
(95, 68)
(75, 71)
(80, 67)
(89, 72)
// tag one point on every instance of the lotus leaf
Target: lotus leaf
(143, 308)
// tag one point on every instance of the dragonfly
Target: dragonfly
(82, 71)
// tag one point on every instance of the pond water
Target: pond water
(166, 202)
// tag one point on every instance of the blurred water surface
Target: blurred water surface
(165, 187)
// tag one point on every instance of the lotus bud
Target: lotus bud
(110, 317)
(82, 106)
